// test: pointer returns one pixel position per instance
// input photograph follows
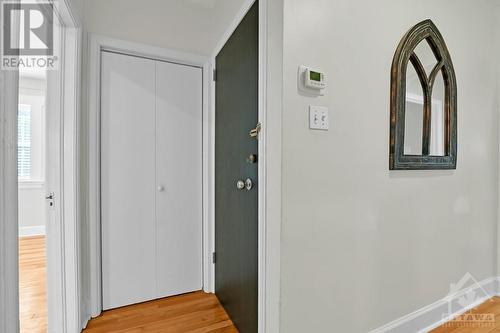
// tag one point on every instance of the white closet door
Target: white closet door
(128, 186)
(179, 178)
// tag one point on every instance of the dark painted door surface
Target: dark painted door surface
(236, 229)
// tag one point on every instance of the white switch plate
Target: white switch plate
(318, 118)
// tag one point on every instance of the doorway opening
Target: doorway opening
(264, 292)
(31, 165)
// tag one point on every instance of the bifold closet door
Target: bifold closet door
(179, 178)
(128, 187)
(151, 179)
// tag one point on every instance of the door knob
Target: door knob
(160, 188)
(248, 184)
(50, 199)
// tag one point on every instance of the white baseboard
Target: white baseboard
(38, 230)
(438, 313)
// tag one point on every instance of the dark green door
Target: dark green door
(236, 210)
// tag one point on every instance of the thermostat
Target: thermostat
(315, 79)
(311, 80)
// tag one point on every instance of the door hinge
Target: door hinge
(214, 76)
(213, 257)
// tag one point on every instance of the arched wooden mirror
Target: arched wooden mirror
(423, 102)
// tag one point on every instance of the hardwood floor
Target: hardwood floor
(195, 313)
(32, 285)
(483, 319)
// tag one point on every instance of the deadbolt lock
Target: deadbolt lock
(252, 158)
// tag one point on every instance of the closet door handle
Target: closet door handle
(160, 188)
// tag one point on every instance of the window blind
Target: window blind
(24, 141)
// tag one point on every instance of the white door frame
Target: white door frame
(63, 251)
(66, 233)
(97, 44)
(9, 278)
(270, 105)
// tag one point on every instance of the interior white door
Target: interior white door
(179, 178)
(128, 180)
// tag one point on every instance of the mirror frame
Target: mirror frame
(405, 56)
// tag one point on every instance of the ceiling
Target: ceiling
(187, 25)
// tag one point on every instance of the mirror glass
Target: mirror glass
(426, 56)
(437, 118)
(414, 113)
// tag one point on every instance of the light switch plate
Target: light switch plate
(318, 118)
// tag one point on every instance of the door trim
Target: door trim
(9, 278)
(270, 108)
(97, 44)
(64, 249)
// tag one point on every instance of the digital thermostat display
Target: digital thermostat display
(315, 76)
(314, 79)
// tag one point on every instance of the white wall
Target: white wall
(77, 9)
(361, 245)
(32, 217)
(497, 45)
(32, 213)
(188, 25)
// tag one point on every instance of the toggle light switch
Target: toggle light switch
(318, 118)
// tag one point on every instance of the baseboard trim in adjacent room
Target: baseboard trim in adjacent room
(38, 230)
(445, 309)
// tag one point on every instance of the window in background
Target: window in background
(24, 141)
